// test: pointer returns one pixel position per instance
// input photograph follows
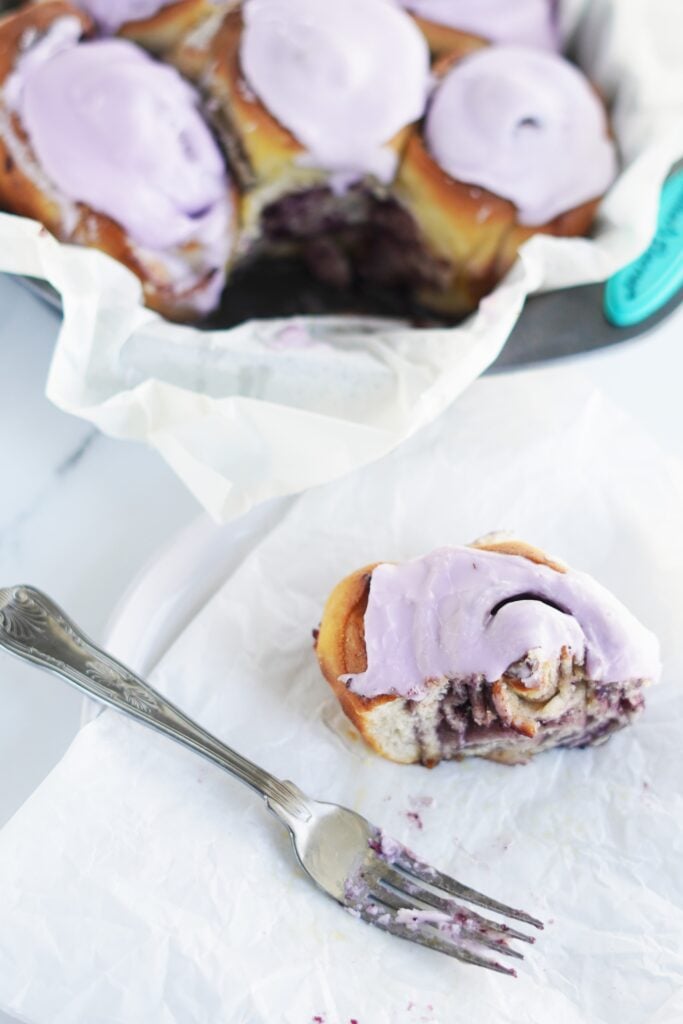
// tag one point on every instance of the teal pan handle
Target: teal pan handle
(640, 289)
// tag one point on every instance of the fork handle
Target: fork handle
(34, 629)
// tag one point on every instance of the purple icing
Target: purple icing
(525, 124)
(525, 22)
(344, 78)
(456, 613)
(116, 130)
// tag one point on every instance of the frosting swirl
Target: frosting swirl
(118, 131)
(525, 22)
(526, 125)
(343, 77)
(464, 612)
(110, 15)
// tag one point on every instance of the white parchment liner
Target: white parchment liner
(141, 885)
(241, 417)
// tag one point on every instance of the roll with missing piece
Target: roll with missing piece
(493, 650)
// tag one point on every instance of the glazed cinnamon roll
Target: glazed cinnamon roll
(492, 650)
(108, 149)
(158, 25)
(515, 142)
(314, 103)
(459, 27)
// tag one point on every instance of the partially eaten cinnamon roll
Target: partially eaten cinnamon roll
(492, 650)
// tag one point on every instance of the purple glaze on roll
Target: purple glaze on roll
(523, 124)
(522, 22)
(120, 132)
(439, 617)
(110, 15)
(343, 77)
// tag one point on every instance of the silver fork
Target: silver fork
(374, 877)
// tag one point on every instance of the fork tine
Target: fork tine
(388, 923)
(412, 866)
(406, 884)
(393, 901)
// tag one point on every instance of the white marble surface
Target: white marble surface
(80, 514)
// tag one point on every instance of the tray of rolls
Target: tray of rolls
(416, 160)
(340, 208)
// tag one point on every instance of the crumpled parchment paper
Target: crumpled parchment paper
(242, 415)
(139, 884)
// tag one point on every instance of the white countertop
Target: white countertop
(80, 514)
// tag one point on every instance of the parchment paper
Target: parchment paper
(141, 885)
(249, 413)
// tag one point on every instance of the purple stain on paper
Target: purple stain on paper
(426, 1011)
(417, 804)
(291, 337)
(422, 801)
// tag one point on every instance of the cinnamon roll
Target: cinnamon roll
(515, 142)
(158, 25)
(458, 27)
(314, 103)
(492, 650)
(108, 149)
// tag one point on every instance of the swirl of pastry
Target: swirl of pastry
(158, 25)
(527, 126)
(343, 77)
(523, 22)
(117, 131)
(461, 612)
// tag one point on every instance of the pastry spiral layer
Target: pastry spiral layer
(492, 649)
(114, 133)
(158, 25)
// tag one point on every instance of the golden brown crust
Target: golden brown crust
(473, 231)
(21, 193)
(446, 41)
(463, 225)
(36, 18)
(571, 224)
(340, 646)
(512, 546)
(269, 146)
(340, 643)
(168, 26)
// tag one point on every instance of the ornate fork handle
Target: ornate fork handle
(33, 628)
